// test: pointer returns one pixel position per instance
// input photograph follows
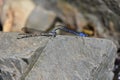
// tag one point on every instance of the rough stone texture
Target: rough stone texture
(17, 56)
(75, 58)
(55, 58)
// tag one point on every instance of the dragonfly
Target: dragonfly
(53, 33)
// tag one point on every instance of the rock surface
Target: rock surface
(59, 58)
(17, 56)
(40, 19)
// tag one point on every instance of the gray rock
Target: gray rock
(41, 19)
(59, 58)
(75, 58)
(17, 56)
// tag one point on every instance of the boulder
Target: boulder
(40, 19)
(15, 15)
(75, 58)
(56, 58)
(17, 56)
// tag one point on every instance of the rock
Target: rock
(17, 56)
(19, 11)
(56, 58)
(75, 58)
(15, 15)
(41, 19)
(105, 11)
(75, 13)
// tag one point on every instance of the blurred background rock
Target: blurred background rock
(97, 18)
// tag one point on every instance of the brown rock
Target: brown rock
(17, 14)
